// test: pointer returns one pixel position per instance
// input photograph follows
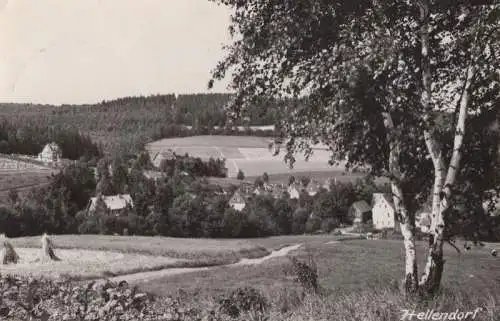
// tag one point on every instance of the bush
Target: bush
(306, 274)
(244, 300)
(328, 225)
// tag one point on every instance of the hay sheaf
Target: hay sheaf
(8, 254)
(48, 249)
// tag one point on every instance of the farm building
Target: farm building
(263, 190)
(294, 190)
(114, 203)
(383, 212)
(312, 188)
(154, 175)
(279, 191)
(161, 156)
(237, 201)
(360, 212)
(259, 190)
(423, 221)
(51, 153)
(329, 182)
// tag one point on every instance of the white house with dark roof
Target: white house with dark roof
(329, 182)
(238, 201)
(383, 211)
(51, 153)
(294, 190)
(114, 203)
(313, 188)
(154, 175)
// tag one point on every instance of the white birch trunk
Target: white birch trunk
(406, 222)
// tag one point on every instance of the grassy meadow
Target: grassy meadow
(359, 279)
(347, 265)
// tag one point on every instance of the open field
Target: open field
(211, 140)
(221, 251)
(248, 153)
(347, 266)
(21, 180)
(84, 264)
(319, 176)
(359, 279)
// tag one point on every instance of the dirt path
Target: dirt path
(147, 276)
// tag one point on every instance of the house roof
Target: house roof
(424, 219)
(160, 156)
(382, 196)
(153, 174)
(51, 148)
(361, 206)
(313, 186)
(237, 198)
(113, 202)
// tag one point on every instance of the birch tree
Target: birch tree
(397, 86)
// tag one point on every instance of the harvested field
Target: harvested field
(231, 153)
(211, 140)
(84, 264)
(210, 251)
(320, 176)
(248, 153)
(253, 168)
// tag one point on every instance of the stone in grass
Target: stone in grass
(48, 249)
(8, 255)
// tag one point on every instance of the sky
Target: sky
(86, 51)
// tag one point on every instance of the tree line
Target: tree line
(123, 126)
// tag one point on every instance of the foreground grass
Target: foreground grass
(384, 304)
(209, 251)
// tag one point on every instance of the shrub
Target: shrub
(306, 274)
(244, 300)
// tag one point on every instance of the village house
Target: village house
(294, 190)
(360, 212)
(114, 203)
(312, 188)
(159, 157)
(279, 191)
(423, 221)
(329, 182)
(154, 175)
(51, 153)
(238, 201)
(383, 212)
(264, 189)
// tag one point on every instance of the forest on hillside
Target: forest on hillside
(123, 126)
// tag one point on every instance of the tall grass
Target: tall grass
(383, 304)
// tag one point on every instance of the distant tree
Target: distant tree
(13, 197)
(259, 182)
(143, 162)
(10, 224)
(265, 177)
(291, 180)
(234, 223)
(240, 175)
(304, 180)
